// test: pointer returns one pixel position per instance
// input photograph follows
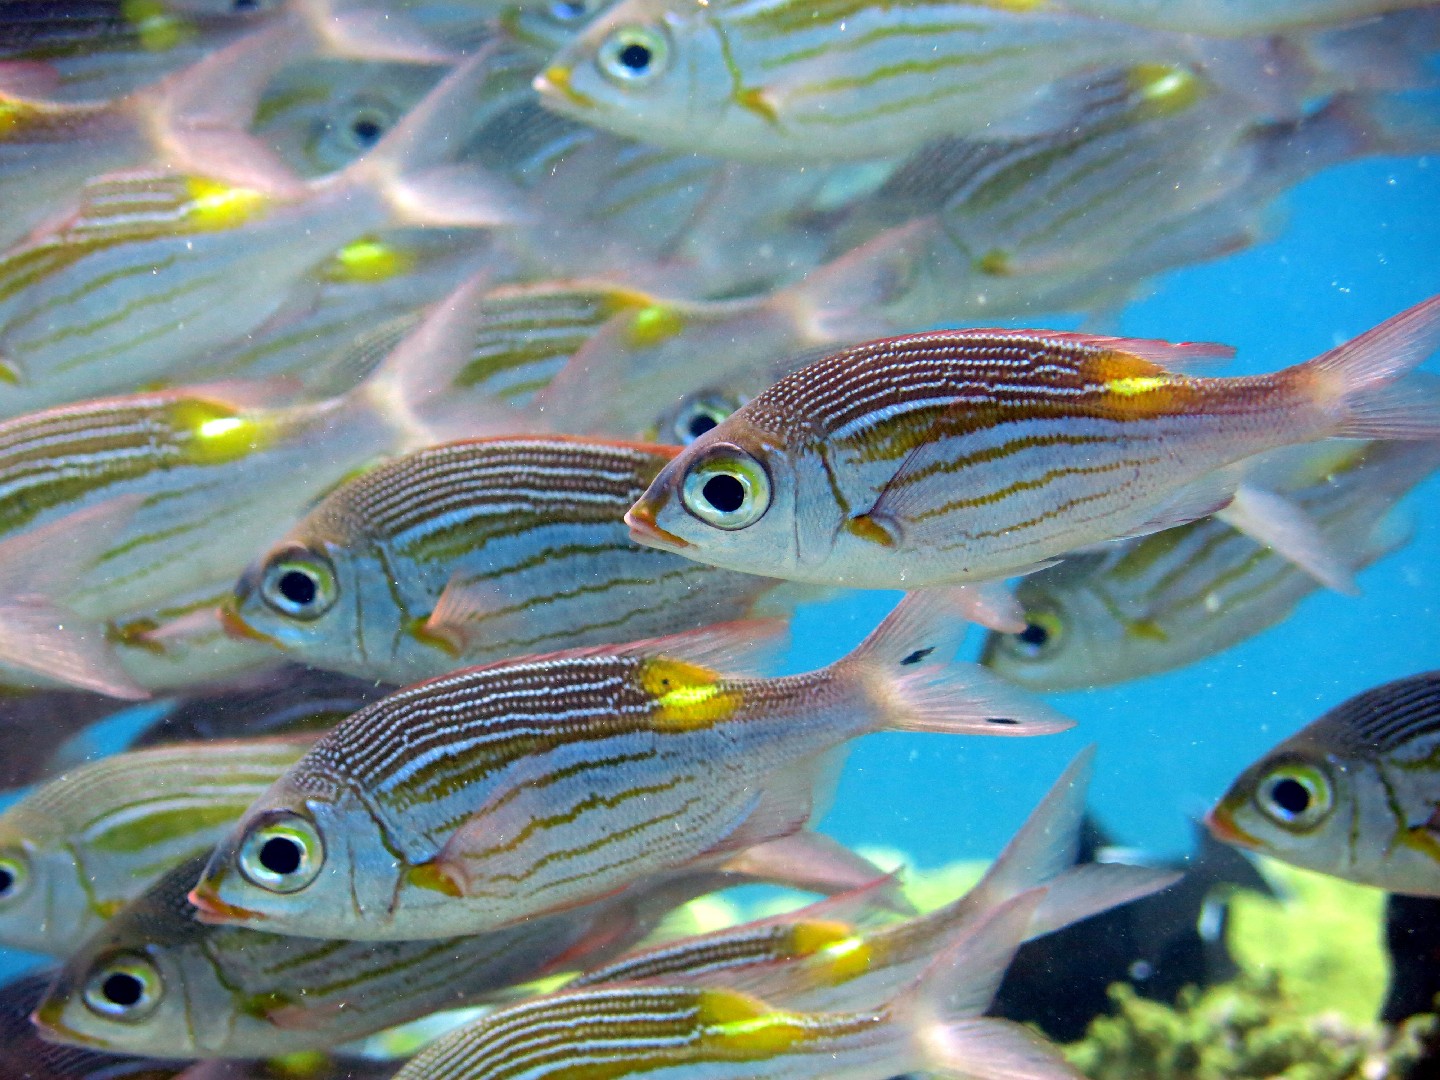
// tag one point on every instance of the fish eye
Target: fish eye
(727, 488)
(299, 583)
(365, 125)
(14, 876)
(282, 853)
(1043, 632)
(1295, 796)
(634, 54)
(124, 988)
(697, 416)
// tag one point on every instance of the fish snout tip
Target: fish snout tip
(211, 909)
(644, 530)
(554, 83)
(1221, 824)
(235, 626)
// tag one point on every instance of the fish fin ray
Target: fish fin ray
(1197, 499)
(1280, 525)
(813, 862)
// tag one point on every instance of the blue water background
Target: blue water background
(1362, 242)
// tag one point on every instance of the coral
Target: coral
(1252, 1027)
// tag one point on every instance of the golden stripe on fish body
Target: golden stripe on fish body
(1355, 794)
(79, 847)
(476, 550)
(978, 454)
(1158, 602)
(499, 792)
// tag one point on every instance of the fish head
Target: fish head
(43, 901)
(1053, 652)
(728, 499)
(1294, 804)
(651, 69)
(305, 858)
(301, 597)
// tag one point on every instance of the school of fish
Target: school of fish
(419, 420)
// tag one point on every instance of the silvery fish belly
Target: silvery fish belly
(1355, 794)
(473, 551)
(772, 80)
(154, 980)
(77, 849)
(497, 793)
(1159, 602)
(979, 454)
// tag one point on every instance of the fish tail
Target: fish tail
(909, 671)
(844, 300)
(941, 1011)
(1367, 387)
(412, 169)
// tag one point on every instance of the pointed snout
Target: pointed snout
(643, 530)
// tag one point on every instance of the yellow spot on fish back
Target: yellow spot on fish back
(366, 260)
(686, 696)
(215, 206)
(14, 115)
(1143, 384)
(159, 31)
(739, 1025)
(653, 324)
(212, 433)
(844, 953)
(1166, 90)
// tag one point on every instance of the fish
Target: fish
(933, 1025)
(474, 551)
(504, 791)
(1354, 794)
(774, 80)
(951, 456)
(1158, 944)
(153, 980)
(24, 1055)
(77, 849)
(1160, 602)
(815, 959)
(155, 269)
(1225, 18)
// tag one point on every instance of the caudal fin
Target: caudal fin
(941, 1012)
(908, 669)
(1367, 386)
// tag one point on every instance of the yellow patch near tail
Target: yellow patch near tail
(741, 1026)
(687, 696)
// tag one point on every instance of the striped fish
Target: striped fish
(980, 454)
(1160, 602)
(1225, 18)
(74, 851)
(501, 792)
(934, 1026)
(156, 269)
(1355, 794)
(475, 551)
(153, 980)
(785, 80)
(816, 959)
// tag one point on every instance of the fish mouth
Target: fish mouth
(237, 628)
(554, 82)
(48, 1020)
(643, 530)
(211, 909)
(1221, 824)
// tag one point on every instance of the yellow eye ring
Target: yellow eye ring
(634, 55)
(299, 584)
(1296, 796)
(727, 488)
(1044, 630)
(281, 853)
(124, 988)
(697, 415)
(14, 876)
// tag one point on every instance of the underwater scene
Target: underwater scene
(569, 539)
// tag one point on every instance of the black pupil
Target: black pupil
(699, 424)
(724, 492)
(635, 56)
(280, 855)
(7, 881)
(1291, 796)
(366, 132)
(298, 587)
(122, 989)
(1034, 634)
(245, 5)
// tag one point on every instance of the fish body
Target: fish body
(1355, 794)
(775, 80)
(979, 454)
(76, 850)
(474, 551)
(1159, 602)
(230, 992)
(678, 1031)
(1224, 18)
(501, 792)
